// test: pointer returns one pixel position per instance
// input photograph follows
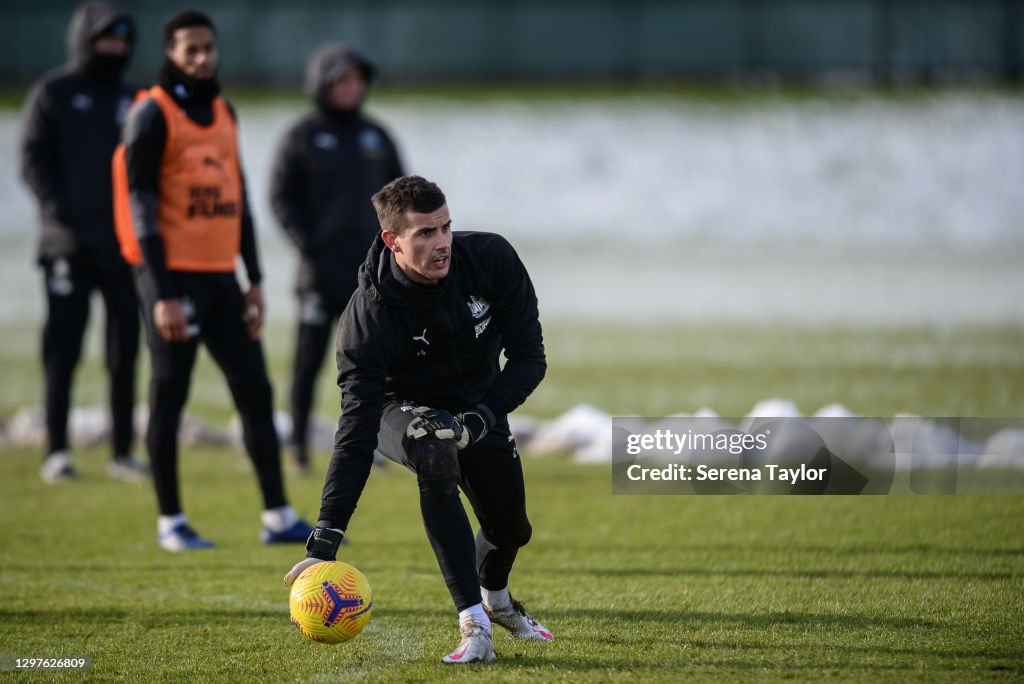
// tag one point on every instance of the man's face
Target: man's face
(424, 249)
(347, 91)
(111, 45)
(194, 51)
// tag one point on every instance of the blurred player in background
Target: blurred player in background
(328, 165)
(183, 219)
(419, 351)
(73, 120)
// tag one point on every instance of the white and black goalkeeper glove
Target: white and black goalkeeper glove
(322, 545)
(475, 425)
(464, 429)
(434, 422)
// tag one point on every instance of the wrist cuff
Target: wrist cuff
(323, 543)
(487, 414)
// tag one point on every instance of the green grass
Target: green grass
(876, 372)
(650, 370)
(644, 588)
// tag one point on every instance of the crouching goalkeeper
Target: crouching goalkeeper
(418, 367)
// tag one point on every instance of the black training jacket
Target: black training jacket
(72, 123)
(438, 346)
(325, 170)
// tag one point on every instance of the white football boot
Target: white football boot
(128, 468)
(58, 467)
(476, 646)
(518, 622)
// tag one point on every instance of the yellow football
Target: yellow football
(330, 602)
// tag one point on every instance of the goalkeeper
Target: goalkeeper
(418, 366)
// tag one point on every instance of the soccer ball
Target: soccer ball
(330, 602)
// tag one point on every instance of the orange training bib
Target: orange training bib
(199, 215)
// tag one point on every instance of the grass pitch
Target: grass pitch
(651, 370)
(634, 588)
(648, 588)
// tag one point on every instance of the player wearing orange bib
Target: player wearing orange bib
(182, 220)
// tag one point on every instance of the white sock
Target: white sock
(476, 615)
(166, 523)
(496, 599)
(278, 519)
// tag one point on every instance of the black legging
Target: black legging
(311, 343)
(69, 285)
(490, 474)
(318, 318)
(218, 305)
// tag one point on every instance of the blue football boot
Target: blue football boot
(183, 538)
(298, 533)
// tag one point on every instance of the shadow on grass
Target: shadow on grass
(796, 574)
(890, 550)
(614, 650)
(791, 549)
(158, 617)
(81, 568)
(876, 650)
(631, 657)
(688, 619)
(695, 663)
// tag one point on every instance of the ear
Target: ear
(391, 240)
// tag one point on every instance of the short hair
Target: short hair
(185, 19)
(408, 193)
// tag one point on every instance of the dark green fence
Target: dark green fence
(617, 40)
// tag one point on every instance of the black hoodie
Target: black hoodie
(327, 166)
(73, 117)
(438, 346)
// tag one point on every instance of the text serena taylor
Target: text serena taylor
(704, 473)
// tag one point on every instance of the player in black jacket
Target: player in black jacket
(327, 166)
(73, 119)
(418, 366)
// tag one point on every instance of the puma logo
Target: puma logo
(213, 163)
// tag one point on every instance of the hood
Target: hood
(382, 280)
(89, 21)
(329, 62)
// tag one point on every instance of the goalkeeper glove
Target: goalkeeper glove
(464, 429)
(436, 422)
(475, 425)
(322, 545)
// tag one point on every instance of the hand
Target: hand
(252, 310)
(436, 422)
(464, 429)
(474, 427)
(297, 569)
(322, 545)
(170, 320)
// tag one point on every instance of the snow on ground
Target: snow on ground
(845, 211)
(883, 211)
(589, 435)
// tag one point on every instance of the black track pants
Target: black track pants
(490, 474)
(318, 318)
(69, 285)
(217, 301)
(311, 342)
